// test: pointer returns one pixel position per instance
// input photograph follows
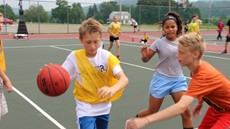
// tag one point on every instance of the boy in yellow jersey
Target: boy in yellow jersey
(4, 80)
(114, 31)
(99, 78)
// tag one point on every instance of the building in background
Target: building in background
(124, 17)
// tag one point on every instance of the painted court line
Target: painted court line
(39, 109)
(37, 46)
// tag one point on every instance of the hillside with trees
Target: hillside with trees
(144, 11)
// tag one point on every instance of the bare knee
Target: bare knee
(118, 46)
(186, 114)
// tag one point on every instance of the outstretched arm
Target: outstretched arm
(174, 110)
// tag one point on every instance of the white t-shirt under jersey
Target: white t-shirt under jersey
(100, 62)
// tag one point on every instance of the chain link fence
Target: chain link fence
(40, 18)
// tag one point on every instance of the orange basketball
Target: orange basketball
(53, 80)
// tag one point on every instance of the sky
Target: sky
(49, 4)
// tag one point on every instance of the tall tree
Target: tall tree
(76, 14)
(105, 9)
(152, 11)
(60, 12)
(64, 13)
(7, 11)
(36, 13)
(92, 11)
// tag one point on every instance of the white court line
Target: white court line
(129, 45)
(43, 46)
(38, 108)
(217, 57)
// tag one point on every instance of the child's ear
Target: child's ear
(196, 54)
(81, 41)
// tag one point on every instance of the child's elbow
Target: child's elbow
(182, 108)
(126, 80)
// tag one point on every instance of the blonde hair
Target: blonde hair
(194, 42)
(1, 15)
(90, 26)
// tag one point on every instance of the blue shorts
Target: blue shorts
(93, 122)
(161, 86)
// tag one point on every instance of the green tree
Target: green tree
(36, 13)
(152, 11)
(76, 14)
(59, 14)
(92, 11)
(105, 9)
(64, 13)
(7, 12)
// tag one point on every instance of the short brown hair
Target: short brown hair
(1, 15)
(194, 42)
(90, 26)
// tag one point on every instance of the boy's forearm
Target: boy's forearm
(171, 111)
(168, 113)
(122, 82)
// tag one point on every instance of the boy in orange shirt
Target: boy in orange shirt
(207, 85)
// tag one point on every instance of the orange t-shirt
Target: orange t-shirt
(212, 86)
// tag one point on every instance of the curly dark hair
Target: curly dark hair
(178, 21)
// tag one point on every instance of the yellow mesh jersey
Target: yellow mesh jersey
(115, 28)
(2, 57)
(146, 37)
(93, 79)
(193, 27)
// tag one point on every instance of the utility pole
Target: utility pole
(4, 3)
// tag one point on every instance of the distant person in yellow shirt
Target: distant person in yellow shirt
(114, 31)
(193, 26)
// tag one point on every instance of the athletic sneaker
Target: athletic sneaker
(118, 57)
(224, 52)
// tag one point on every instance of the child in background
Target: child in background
(194, 25)
(220, 26)
(227, 39)
(135, 25)
(114, 31)
(168, 78)
(186, 26)
(207, 85)
(145, 39)
(99, 78)
(4, 80)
